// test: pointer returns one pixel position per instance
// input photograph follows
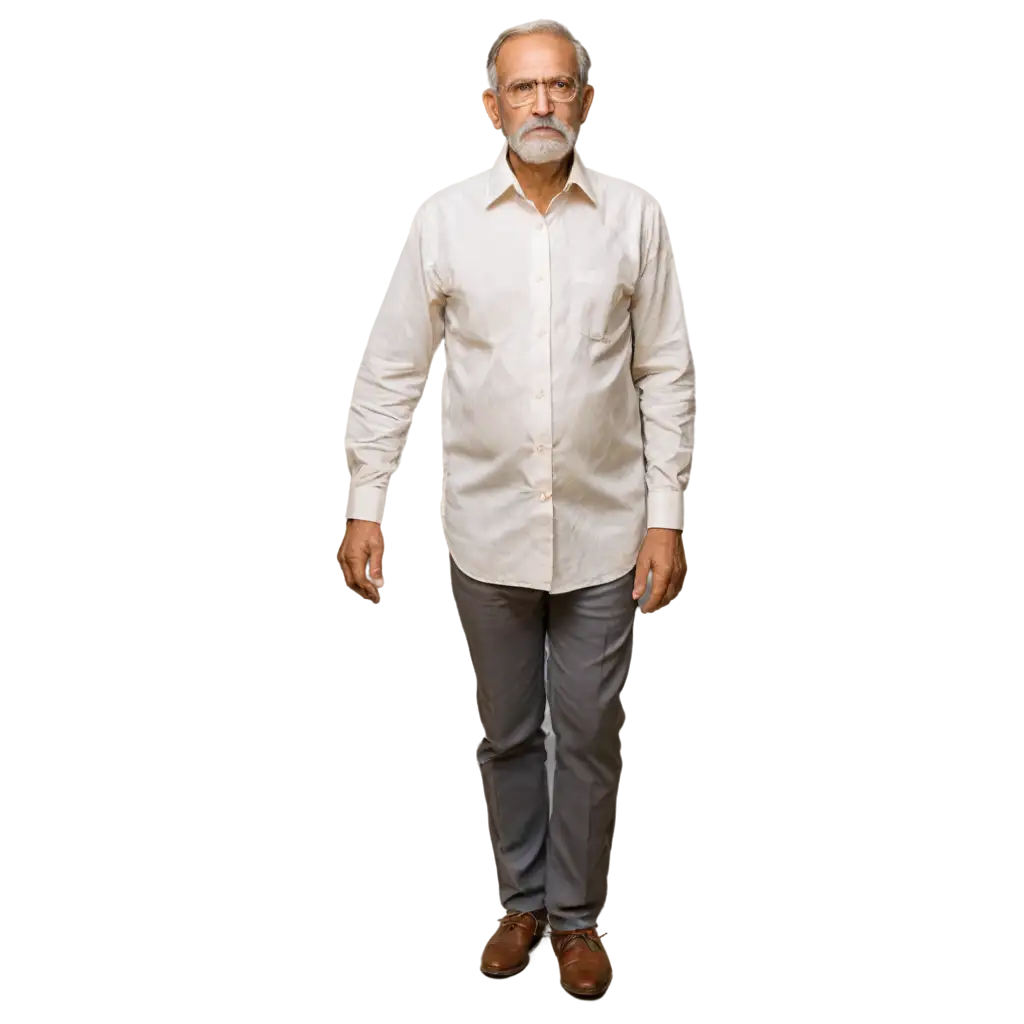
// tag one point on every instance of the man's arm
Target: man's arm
(388, 380)
(663, 373)
(388, 387)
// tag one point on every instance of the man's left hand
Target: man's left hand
(662, 552)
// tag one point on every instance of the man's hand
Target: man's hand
(363, 542)
(662, 551)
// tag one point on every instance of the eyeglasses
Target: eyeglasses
(559, 90)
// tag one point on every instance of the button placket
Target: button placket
(540, 285)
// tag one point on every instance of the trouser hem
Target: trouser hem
(513, 907)
(569, 924)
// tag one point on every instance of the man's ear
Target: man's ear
(588, 98)
(491, 106)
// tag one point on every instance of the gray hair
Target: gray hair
(553, 28)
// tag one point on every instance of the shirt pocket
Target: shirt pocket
(594, 299)
(599, 304)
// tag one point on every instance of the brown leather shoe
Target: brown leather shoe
(508, 950)
(583, 963)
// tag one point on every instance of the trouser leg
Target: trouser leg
(590, 636)
(504, 628)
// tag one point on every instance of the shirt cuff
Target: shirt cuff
(366, 503)
(665, 510)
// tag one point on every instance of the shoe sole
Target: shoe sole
(504, 974)
(587, 995)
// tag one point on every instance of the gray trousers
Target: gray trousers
(552, 836)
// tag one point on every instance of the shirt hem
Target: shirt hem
(594, 581)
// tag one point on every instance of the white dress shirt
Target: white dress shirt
(568, 396)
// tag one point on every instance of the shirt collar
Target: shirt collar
(501, 179)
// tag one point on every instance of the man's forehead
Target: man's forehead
(536, 56)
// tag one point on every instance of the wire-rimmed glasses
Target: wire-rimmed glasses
(524, 91)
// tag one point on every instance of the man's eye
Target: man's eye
(561, 84)
(522, 86)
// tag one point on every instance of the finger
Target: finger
(658, 590)
(643, 565)
(357, 566)
(377, 564)
(352, 581)
(353, 589)
(376, 571)
(677, 578)
(673, 591)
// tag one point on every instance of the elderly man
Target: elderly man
(568, 410)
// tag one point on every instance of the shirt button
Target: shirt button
(540, 447)
(540, 277)
(545, 496)
(540, 394)
(540, 226)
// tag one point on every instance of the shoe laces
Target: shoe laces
(588, 935)
(518, 919)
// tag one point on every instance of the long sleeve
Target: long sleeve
(663, 372)
(394, 370)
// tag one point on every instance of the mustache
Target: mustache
(545, 122)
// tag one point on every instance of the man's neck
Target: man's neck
(541, 182)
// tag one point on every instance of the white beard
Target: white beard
(542, 151)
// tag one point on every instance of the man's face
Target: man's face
(545, 129)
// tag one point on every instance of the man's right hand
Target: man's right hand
(363, 542)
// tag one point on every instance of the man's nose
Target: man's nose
(542, 105)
